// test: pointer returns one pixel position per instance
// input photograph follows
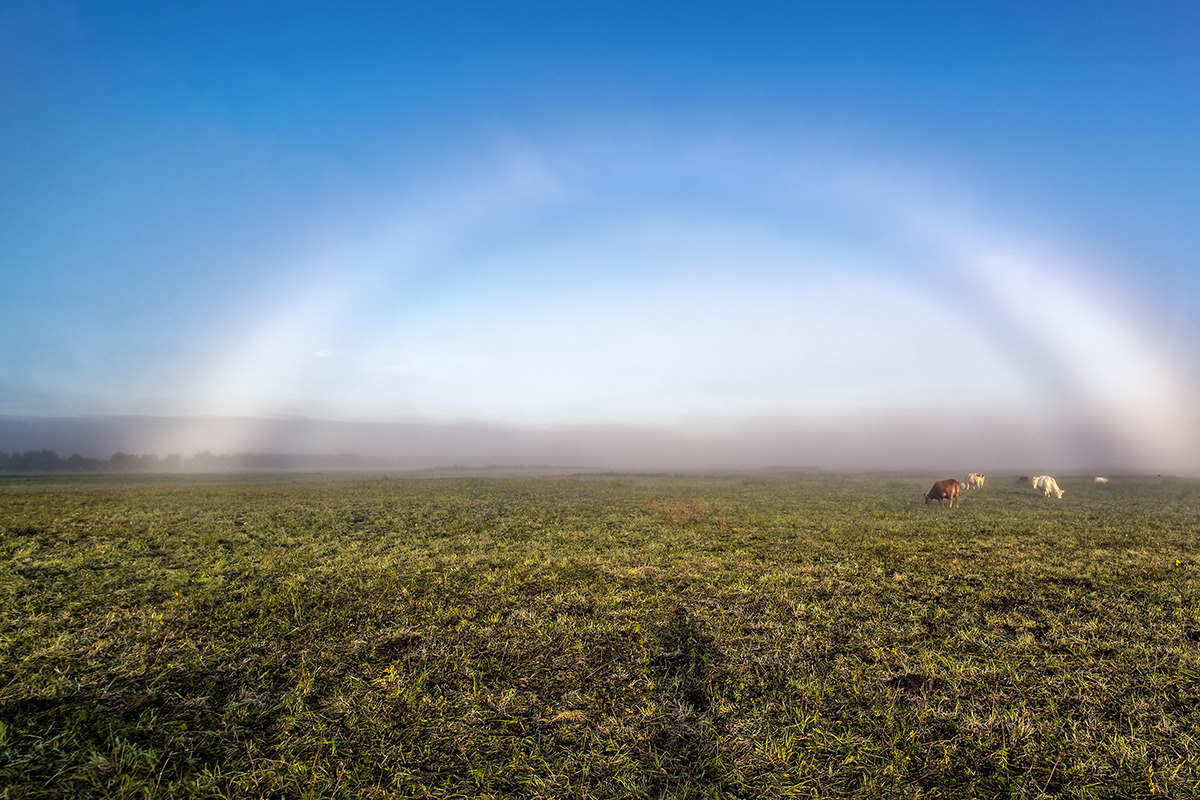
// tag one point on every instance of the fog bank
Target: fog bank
(943, 447)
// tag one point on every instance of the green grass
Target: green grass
(731, 636)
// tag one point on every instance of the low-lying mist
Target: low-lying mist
(939, 446)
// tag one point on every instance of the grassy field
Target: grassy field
(734, 636)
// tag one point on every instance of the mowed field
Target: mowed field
(577, 636)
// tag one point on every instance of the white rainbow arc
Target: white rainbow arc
(1082, 358)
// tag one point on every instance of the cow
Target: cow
(1101, 480)
(949, 488)
(1048, 485)
(975, 480)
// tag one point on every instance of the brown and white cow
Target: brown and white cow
(949, 488)
(975, 480)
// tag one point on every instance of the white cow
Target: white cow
(1047, 485)
(975, 480)
(1101, 480)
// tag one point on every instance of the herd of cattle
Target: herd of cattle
(951, 489)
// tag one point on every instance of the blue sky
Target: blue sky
(695, 216)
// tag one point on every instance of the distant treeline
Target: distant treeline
(50, 461)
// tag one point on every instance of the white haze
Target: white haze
(896, 443)
(769, 305)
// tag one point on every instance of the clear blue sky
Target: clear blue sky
(687, 214)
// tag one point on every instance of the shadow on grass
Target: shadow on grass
(687, 661)
(686, 743)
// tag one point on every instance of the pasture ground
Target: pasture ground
(588, 636)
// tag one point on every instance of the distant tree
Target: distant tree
(204, 461)
(123, 462)
(78, 463)
(36, 461)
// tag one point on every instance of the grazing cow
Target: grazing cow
(1101, 480)
(942, 490)
(975, 480)
(1022, 479)
(1048, 485)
